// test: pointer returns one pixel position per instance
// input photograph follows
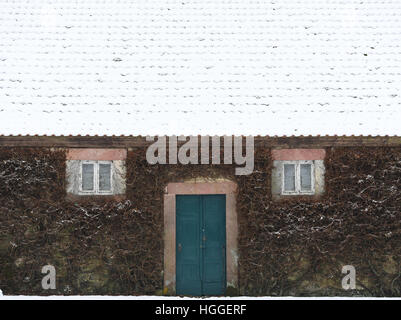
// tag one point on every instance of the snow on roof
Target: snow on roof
(139, 67)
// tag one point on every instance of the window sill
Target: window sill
(312, 193)
(89, 193)
(85, 197)
(296, 197)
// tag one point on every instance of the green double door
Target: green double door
(200, 245)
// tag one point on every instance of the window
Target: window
(95, 172)
(298, 177)
(96, 177)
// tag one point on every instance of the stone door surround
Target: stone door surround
(228, 188)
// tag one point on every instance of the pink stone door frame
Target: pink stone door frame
(225, 187)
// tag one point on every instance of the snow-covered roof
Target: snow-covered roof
(147, 67)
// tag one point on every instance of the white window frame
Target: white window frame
(298, 190)
(96, 189)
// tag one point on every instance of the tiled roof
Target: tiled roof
(139, 67)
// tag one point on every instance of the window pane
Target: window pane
(306, 177)
(289, 177)
(104, 176)
(87, 176)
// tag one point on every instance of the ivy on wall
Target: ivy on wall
(294, 246)
(298, 246)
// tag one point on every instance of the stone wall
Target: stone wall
(294, 246)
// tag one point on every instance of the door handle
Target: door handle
(179, 247)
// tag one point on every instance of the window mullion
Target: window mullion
(312, 177)
(80, 176)
(96, 177)
(298, 178)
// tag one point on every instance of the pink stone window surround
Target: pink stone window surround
(77, 157)
(96, 154)
(298, 154)
(297, 157)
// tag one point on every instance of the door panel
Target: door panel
(188, 251)
(200, 244)
(214, 254)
